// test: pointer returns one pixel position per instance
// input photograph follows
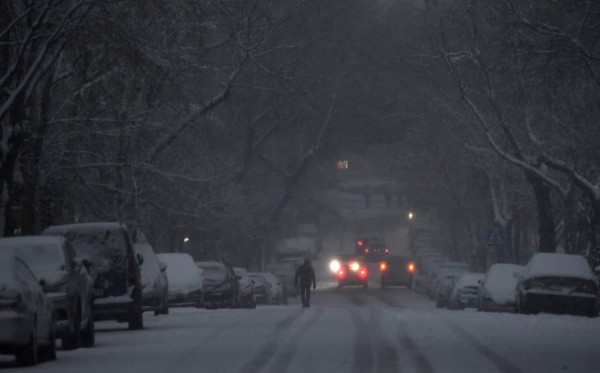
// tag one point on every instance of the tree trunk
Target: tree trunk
(545, 214)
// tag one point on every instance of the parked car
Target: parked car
(285, 271)
(155, 285)
(114, 266)
(352, 271)
(561, 283)
(66, 282)
(221, 287)
(186, 281)
(262, 290)
(274, 283)
(26, 314)
(396, 270)
(465, 293)
(247, 298)
(444, 279)
(497, 289)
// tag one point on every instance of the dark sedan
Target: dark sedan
(66, 282)
(560, 283)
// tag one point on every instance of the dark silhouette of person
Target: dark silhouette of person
(306, 274)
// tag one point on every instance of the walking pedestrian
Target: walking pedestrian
(306, 274)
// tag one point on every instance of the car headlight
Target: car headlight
(334, 265)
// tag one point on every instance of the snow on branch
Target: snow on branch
(205, 107)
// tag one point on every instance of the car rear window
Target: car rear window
(106, 248)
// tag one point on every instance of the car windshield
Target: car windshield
(214, 272)
(105, 248)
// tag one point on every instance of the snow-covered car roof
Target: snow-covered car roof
(213, 271)
(558, 265)
(211, 264)
(43, 254)
(501, 283)
(453, 265)
(258, 278)
(83, 227)
(182, 272)
(240, 271)
(31, 240)
(469, 279)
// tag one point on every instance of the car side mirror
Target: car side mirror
(162, 266)
(140, 258)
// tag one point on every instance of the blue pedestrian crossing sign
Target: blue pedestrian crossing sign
(495, 236)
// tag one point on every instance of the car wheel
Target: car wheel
(88, 334)
(73, 340)
(28, 354)
(48, 351)
(136, 320)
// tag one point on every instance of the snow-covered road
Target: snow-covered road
(348, 330)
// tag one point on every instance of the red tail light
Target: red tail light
(359, 243)
(387, 250)
(341, 273)
(382, 266)
(366, 251)
(411, 267)
(363, 273)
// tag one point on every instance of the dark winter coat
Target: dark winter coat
(306, 274)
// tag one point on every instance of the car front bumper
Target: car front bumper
(560, 303)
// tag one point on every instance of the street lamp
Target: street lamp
(410, 216)
(186, 239)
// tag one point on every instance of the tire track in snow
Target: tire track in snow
(285, 357)
(419, 359)
(421, 362)
(503, 364)
(265, 354)
(385, 349)
(363, 356)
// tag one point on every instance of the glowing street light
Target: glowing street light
(186, 239)
(411, 216)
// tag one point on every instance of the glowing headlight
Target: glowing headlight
(354, 266)
(334, 265)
